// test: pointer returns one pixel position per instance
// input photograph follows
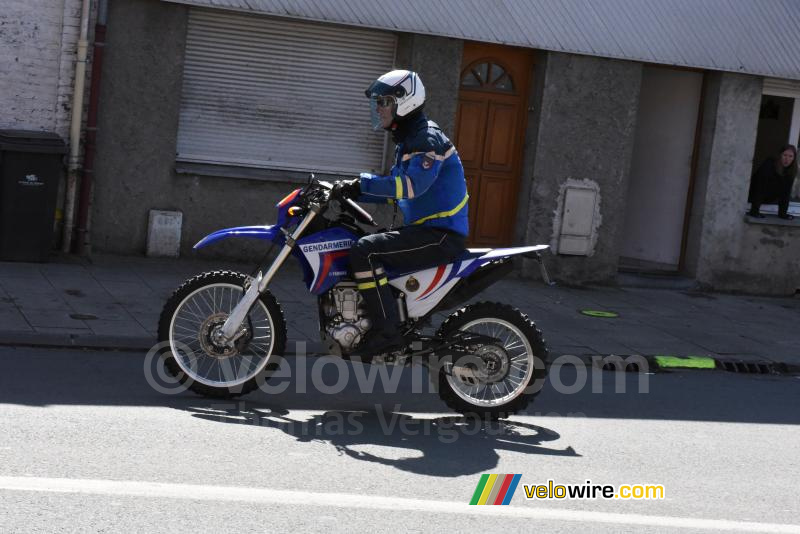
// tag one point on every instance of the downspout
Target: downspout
(83, 245)
(75, 129)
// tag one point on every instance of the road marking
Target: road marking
(132, 488)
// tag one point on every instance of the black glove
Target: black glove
(347, 189)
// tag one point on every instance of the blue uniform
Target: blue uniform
(427, 183)
(427, 179)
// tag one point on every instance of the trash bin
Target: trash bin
(31, 164)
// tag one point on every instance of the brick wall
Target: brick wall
(38, 46)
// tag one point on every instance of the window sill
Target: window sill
(245, 173)
(772, 220)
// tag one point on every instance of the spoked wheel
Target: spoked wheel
(497, 379)
(191, 323)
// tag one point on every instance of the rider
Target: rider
(427, 184)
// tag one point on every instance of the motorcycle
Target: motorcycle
(224, 330)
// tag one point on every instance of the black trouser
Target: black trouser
(411, 247)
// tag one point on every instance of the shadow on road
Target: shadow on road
(40, 377)
(431, 443)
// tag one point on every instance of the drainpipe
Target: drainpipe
(75, 129)
(83, 245)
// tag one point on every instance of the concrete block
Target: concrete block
(164, 233)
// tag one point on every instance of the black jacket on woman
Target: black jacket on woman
(768, 186)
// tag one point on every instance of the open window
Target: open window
(778, 125)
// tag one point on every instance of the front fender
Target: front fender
(258, 232)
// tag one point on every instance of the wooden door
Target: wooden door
(490, 132)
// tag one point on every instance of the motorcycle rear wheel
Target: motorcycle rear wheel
(195, 312)
(509, 374)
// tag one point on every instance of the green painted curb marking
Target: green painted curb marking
(690, 362)
(598, 313)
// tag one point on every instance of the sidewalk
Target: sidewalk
(114, 302)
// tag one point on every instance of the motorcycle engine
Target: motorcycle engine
(346, 315)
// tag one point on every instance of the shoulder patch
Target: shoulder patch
(428, 159)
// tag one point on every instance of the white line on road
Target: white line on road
(132, 488)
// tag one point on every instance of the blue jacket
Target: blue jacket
(427, 179)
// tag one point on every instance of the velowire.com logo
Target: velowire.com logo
(495, 489)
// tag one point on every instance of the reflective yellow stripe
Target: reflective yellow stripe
(398, 187)
(444, 213)
(410, 187)
(368, 274)
(370, 285)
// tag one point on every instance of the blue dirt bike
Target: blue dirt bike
(224, 330)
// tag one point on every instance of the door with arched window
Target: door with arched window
(490, 132)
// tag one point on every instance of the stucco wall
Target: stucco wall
(535, 95)
(586, 121)
(725, 251)
(438, 62)
(137, 122)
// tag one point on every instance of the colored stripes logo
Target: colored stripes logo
(495, 489)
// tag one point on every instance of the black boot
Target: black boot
(384, 335)
(377, 342)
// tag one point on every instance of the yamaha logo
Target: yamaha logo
(412, 284)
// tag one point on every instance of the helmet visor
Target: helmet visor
(380, 106)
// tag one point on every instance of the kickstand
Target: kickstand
(543, 270)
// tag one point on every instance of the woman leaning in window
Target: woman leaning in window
(773, 181)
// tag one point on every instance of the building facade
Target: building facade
(38, 48)
(616, 158)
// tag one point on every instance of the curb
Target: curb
(315, 348)
(105, 342)
(76, 341)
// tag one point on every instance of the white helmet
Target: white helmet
(404, 87)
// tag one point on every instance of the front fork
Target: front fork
(230, 330)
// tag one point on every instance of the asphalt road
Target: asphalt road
(87, 444)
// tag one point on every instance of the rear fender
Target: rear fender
(268, 233)
(498, 254)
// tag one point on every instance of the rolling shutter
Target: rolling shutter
(265, 92)
(785, 88)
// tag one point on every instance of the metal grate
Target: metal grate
(754, 368)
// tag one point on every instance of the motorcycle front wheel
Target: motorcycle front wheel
(501, 378)
(190, 323)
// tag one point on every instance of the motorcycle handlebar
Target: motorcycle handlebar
(362, 213)
(348, 203)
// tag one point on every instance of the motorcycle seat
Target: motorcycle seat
(466, 255)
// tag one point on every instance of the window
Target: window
(778, 125)
(774, 127)
(487, 76)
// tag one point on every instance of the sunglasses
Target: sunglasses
(384, 101)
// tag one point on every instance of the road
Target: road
(87, 444)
